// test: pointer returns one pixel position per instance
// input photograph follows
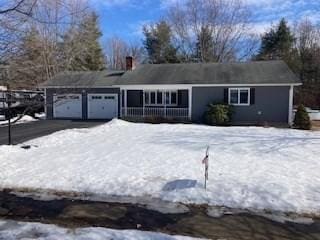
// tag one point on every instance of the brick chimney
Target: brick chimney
(130, 63)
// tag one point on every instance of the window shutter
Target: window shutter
(252, 96)
(226, 95)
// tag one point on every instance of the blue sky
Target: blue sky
(125, 18)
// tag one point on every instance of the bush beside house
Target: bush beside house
(302, 119)
(218, 114)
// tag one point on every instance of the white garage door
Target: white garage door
(67, 106)
(102, 106)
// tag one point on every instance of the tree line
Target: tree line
(40, 38)
(53, 36)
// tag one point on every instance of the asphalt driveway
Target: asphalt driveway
(27, 131)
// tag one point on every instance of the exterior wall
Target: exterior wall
(272, 102)
(84, 91)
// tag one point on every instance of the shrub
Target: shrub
(218, 114)
(302, 119)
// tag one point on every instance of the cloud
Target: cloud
(269, 12)
(164, 4)
(136, 29)
(119, 3)
(259, 27)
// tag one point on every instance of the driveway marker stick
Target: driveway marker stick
(205, 161)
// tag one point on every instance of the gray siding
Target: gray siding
(84, 91)
(272, 102)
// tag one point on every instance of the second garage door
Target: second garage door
(102, 106)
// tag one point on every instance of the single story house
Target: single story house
(259, 91)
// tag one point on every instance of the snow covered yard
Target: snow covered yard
(11, 230)
(250, 167)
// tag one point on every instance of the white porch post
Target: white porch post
(143, 103)
(45, 103)
(164, 93)
(125, 103)
(190, 103)
(290, 120)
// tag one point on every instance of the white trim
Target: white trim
(120, 100)
(45, 104)
(290, 114)
(125, 102)
(188, 86)
(180, 86)
(190, 103)
(81, 87)
(239, 90)
(155, 87)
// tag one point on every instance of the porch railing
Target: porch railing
(139, 112)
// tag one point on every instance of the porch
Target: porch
(171, 104)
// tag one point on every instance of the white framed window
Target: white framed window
(239, 96)
(171, 98)
(161, 98)
(153, 98)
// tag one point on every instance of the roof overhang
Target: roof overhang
(159, 86)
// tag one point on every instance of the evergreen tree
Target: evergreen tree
(158, 43)
(302, 119)
(204, 45)
(277, 43)
(82, 48)
(26, 67)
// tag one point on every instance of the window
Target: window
(173, 98)
(233, 96)
(153, 98)
(167, 98)
(239, 96)
(109, 97)
(161, 98)
(147, 98)
(96, 97)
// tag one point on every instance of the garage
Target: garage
(102, 106)
(67, 106)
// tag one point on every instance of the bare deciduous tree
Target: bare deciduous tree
(116, 51)
(48, 23)
(24, 7)
(306, 61)
(13, 15)
(227, 21)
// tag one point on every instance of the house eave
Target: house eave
(187, 86)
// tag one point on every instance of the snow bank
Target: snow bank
(250, 167)
(12, 230)
(24, 119)
(40, 115)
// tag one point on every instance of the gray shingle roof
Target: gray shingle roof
(263, 72)
(84, 79)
